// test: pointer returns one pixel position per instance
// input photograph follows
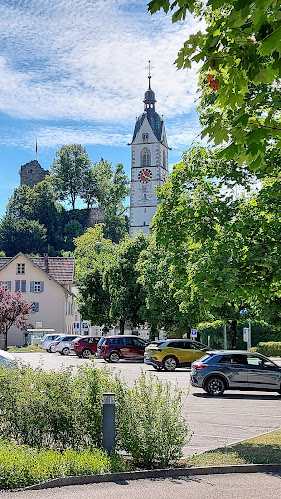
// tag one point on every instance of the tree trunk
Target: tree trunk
(233, 333)
(122, 326)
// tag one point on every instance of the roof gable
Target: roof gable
(60, 269)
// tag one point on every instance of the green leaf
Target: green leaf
(271, 43)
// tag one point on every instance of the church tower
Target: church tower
(149, 164)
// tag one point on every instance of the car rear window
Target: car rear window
(205, 358)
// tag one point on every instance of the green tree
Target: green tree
(224, 249)
(127, 297)
(28, 236)
(68, 172)
(112, 187)
(93, 254)
(240, 67)
(72, 230)
(162, 296)
(89, 190)
(39, 204)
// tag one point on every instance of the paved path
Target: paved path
(229, 486)
(213, 421)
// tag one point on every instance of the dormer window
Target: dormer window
(145, 137)
(20, 268)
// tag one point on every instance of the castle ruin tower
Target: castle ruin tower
(149, 164)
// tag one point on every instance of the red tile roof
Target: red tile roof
(59, 268)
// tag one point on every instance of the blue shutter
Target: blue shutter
(9, 285)
(0, 283)
(36, 306)
(32, 286)
(17, 288)
(23, 286)
(41, 286)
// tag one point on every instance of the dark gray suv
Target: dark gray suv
(235, 370)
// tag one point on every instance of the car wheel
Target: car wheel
(170, 363)
(215, 386)
(114, 357)
(65, 351)
(86, 353)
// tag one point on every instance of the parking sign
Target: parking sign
(193, 333)
(76, 326)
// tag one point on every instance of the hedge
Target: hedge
(270, 348)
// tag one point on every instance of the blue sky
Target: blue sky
(75, 72)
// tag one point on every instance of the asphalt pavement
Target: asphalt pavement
(228, 486)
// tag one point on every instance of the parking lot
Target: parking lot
(213, 421)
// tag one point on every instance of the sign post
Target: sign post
(193, 334)
(85, 327)
(249, 343)
(76, 327)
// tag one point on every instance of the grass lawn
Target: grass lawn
(258, 450)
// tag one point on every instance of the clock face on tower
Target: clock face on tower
(145, 175)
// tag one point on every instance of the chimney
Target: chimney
(46, 263)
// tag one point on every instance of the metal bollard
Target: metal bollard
(108, 422)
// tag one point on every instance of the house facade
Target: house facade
(48, 282)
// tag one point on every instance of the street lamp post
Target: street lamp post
(108, 422)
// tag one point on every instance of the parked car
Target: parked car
(63, 344)
(86, 346)
(7, 360)
(114, 348)
(173, 353)
(46, 341)
(235, 370)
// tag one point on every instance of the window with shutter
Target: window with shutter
(17, 286)
(23, 286)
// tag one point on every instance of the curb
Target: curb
(146, 474)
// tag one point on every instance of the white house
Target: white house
(48, 282)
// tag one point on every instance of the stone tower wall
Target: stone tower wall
(96, 216)
(31, 173)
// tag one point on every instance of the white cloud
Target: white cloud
(86, 59)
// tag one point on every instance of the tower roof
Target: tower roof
(154, 119)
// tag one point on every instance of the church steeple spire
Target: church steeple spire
(149, 96)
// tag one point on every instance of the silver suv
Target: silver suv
(63, 344)
(235, 370)
(46, 341)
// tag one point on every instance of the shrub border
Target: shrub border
(146, 474)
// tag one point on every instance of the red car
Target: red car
(114, 348)
(86, 346)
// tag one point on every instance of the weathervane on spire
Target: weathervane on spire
(149, 67)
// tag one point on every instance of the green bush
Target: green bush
(58, 410)
(21, 466)
(150, 425)
(29, 348)
(270, 349)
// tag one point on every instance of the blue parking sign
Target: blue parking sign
(193, 333)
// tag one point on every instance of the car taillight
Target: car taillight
(76, 343)
(198, 366)
(57, 342)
